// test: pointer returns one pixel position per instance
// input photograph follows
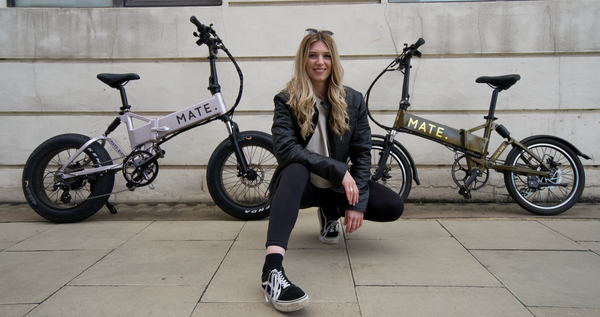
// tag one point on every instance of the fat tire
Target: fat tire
(38, 181)
(239, 197)
(571, 172)
(401, 177)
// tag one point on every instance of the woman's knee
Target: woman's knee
(295, 172)
(386, 203)
(396, 208)
(294, 176)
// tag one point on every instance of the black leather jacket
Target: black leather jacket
(355, 144)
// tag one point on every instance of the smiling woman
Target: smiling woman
(318, 125)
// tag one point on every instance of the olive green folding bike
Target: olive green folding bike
(542, 173)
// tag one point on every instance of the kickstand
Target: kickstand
(111, 208)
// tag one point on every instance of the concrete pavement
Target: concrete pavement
(194, 260)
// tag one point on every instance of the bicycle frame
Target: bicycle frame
(475, 147)
(154, 132)
(147, 135)
(464, 141)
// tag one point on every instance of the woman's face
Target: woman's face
(318, 65)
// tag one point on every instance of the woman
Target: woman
(317, 125)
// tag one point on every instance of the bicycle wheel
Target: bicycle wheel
(245, 198)
(66, 200)
(545, 195)
(397, 174)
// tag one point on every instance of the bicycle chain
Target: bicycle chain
(113, 192)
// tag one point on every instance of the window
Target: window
(109, 3)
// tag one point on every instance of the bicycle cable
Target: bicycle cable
(240, 75)
(389, 68)
(219, 45)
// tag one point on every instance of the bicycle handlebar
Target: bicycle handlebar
(419, 42)
(401, 63)
(414, 47)
(209, 37)
(201, 27)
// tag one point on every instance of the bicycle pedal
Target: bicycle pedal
(465, 192)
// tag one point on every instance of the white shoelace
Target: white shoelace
(330, 228)
(276, 282)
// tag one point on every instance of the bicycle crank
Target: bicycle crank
(466, 179)
(140, 168)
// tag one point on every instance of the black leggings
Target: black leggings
(295, 192)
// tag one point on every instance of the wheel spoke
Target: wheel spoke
(549, 196)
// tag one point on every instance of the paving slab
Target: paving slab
(16, 310)
(304, 236)
(30, 277)
(157, 263)
(576, 230)
(82, 236)
(182, 259)
(564, 312)
(126, 301)
(266, 309)
(592, 246)
(508, 235)
(399, 230)
(13, 233)
(434, 262)
(439, 301)
(324, 275)
(547, 278)
(190, 231)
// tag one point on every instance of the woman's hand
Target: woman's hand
(353, 220)
(350, 188)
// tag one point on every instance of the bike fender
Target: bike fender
(408, 156)
(576, 150)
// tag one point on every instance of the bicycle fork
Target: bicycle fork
(383, 156)
(243, 169)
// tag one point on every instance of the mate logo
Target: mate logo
(427, 128)
(191, 115)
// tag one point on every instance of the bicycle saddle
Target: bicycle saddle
(502, 82)
(116, 80)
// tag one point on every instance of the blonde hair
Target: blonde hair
(302, 95)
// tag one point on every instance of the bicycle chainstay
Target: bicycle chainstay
(132, 188)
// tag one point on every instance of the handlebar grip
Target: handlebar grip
(201, 27)
(419, 42)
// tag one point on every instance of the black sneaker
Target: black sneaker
(330, 229)
(284, 295)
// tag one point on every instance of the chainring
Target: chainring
(460, 174)
(134, 174)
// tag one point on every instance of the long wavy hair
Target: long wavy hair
(302, 95)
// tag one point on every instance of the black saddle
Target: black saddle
(502, 82)
(117, 80)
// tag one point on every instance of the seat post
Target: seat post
(493, 105)
(125, 107)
